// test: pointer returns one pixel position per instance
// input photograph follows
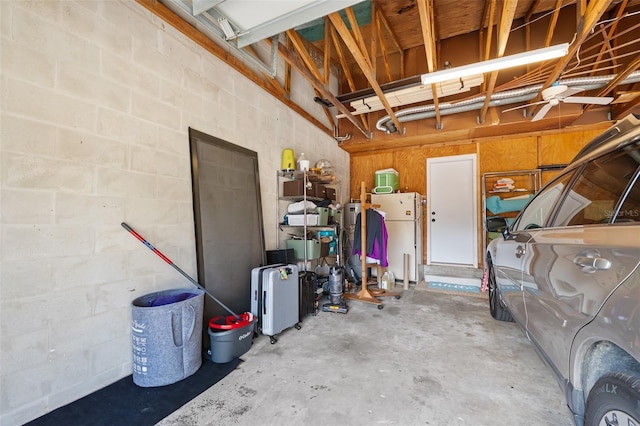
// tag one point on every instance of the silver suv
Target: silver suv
(567, 271)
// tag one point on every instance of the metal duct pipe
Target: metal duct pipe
(456, 109)
(501, 98)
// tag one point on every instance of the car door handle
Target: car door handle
(592, 264)
(520, 251)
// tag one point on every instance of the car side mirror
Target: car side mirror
(505, 233)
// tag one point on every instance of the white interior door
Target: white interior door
(452, 211)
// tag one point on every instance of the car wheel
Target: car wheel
(614, 400)
(498, 311)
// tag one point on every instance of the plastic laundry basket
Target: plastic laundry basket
(166, 332)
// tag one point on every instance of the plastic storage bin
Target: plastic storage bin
(335, 216)
(387, 181)
(298, 219)
(166, 333)
(313, 248)
(323, 216)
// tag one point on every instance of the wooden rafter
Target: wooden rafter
(619, 111)
(383, 49)
(287, 74)
(618, 78)
(436, 45)
(373, 41)
(317, 84)
(614, 55)
(507, 14)
(307, 60)
(357, 35)
(594, 11)
(490, 11)
(485, 41)
(492, 17)
(425, 8)
(481, 30)
(553, 23)
(299, 47)
(527, 27)
(272, 80)
(344, 65)
(362, 62)
(188, 30)
(606, 47)
(327, 52)
(343, 60)
(531, 11)
(581, 8)
(383, 20)
(612, 30)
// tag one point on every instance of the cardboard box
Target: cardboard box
(330, 193)
(329, 244)
(319, 190)
(293, 188)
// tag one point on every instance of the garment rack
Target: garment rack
(364, 295)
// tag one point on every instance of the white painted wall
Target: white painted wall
(96, 100)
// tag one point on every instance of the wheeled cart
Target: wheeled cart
(275, 298)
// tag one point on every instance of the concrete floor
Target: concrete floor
(427, 358)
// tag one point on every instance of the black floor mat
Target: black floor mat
(125, 403)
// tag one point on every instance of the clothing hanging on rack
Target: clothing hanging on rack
(376, 237)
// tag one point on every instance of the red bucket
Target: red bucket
(231, 322)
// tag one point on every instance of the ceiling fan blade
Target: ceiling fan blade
(570, 91)
(604, 100)
(543, 111)
(523, 106)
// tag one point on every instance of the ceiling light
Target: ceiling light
(414, 94)
(524, 58)
(227, 29)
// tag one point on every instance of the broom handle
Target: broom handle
(184, 274)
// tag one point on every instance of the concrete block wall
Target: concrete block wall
(96, 101)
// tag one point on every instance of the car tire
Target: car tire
(614, 400)
(498, 311)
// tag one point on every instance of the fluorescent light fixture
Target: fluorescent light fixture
(228, 31)
(524, 58)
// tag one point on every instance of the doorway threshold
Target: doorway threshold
(452, 271)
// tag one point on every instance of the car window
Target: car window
(630, 208)
(537, 212)
(597, 191)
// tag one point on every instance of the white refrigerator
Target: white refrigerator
(403, 221)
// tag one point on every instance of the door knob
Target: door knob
(520, 251)
(433, 220)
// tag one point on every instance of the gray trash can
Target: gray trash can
(166, 333)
